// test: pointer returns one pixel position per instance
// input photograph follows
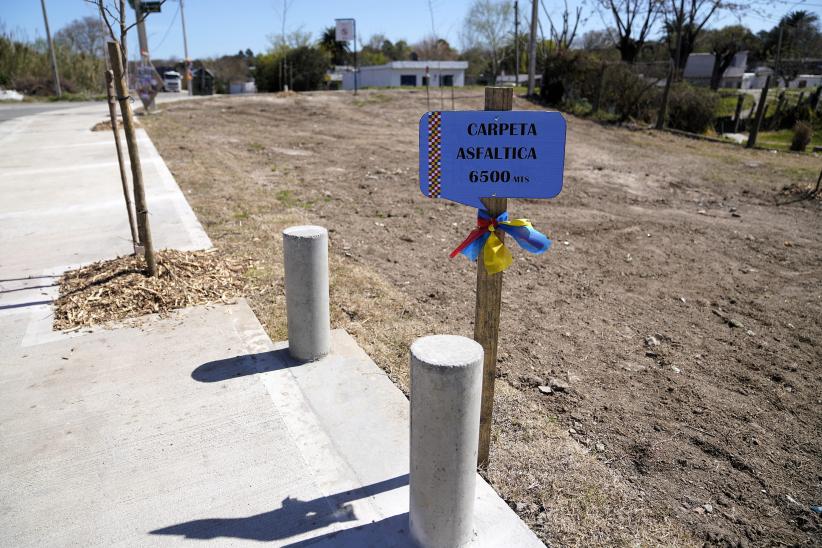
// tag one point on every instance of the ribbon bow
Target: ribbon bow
(494, 253)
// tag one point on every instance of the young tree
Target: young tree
(634, 21)
(86, 36)
(684, 20)
(563, 38)
(487, 26)
(432, 47)
(113, 14)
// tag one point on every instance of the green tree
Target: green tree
(801, 39)
(338, 51)
(307, 68)
(398, 51)
(724, 44)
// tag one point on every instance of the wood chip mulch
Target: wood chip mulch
(109, 291)
(105, 125)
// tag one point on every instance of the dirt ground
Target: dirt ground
(680, 303)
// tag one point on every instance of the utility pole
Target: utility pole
(532, 48)
(778, 54)
(356, 67)
(185, 51)
(57, 89)
(663, 108)
(516, 43)
(141, 33)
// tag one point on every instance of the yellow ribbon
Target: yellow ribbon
(495, 255)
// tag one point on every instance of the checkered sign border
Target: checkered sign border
(434, 155)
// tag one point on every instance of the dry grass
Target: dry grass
(109, 291)
(564, 490)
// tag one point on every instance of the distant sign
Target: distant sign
(147, 85)
(345, 30)
(468, 155)
(149, 6)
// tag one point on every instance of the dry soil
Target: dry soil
(680, 304)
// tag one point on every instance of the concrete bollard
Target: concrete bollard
(446, 387)
(305, 250)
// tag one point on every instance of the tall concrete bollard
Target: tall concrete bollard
(305, 250)
(446, 386)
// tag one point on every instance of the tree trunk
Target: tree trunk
(717, 72)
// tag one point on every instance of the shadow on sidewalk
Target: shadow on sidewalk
(295, 517)
(387, 533)
(248, 364)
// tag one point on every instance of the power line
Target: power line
(173, 19)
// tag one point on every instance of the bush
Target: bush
(570, 76)
(558, 76)
(691, 108)
(629, 94)
(793, 114)
(802, 134)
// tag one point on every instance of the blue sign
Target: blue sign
(468, 155)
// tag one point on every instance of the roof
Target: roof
(420, 65)
(700, 65)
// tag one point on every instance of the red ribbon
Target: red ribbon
(482, 226)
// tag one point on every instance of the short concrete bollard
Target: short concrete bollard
(446, 384)
(305, 250)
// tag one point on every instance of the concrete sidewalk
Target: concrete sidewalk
(63, 206)
(180, 430)
(199, 428)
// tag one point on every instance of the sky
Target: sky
(217, 27)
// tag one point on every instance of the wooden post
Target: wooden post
(738, 112)
(112, 111)
(489, 299)
(777, 116)
(760, 113)
(814, 98)
(600, 88)
(134, 156)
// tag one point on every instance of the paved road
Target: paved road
(9, 111)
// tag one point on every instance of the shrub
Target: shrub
(570, 76)
(629, 94)
(308, 64)
(802, 133)
(691, 108)
(795, 113)
(558, 76)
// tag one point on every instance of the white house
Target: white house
(700, 66)
(409, 73)
(511, 79)
(807, 81)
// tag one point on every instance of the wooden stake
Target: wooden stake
(134, 156)
(489, 299)
(740, 100)
(760, 114)
(112, 110)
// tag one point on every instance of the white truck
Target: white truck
(171, 81)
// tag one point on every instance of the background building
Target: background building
(409, 73)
